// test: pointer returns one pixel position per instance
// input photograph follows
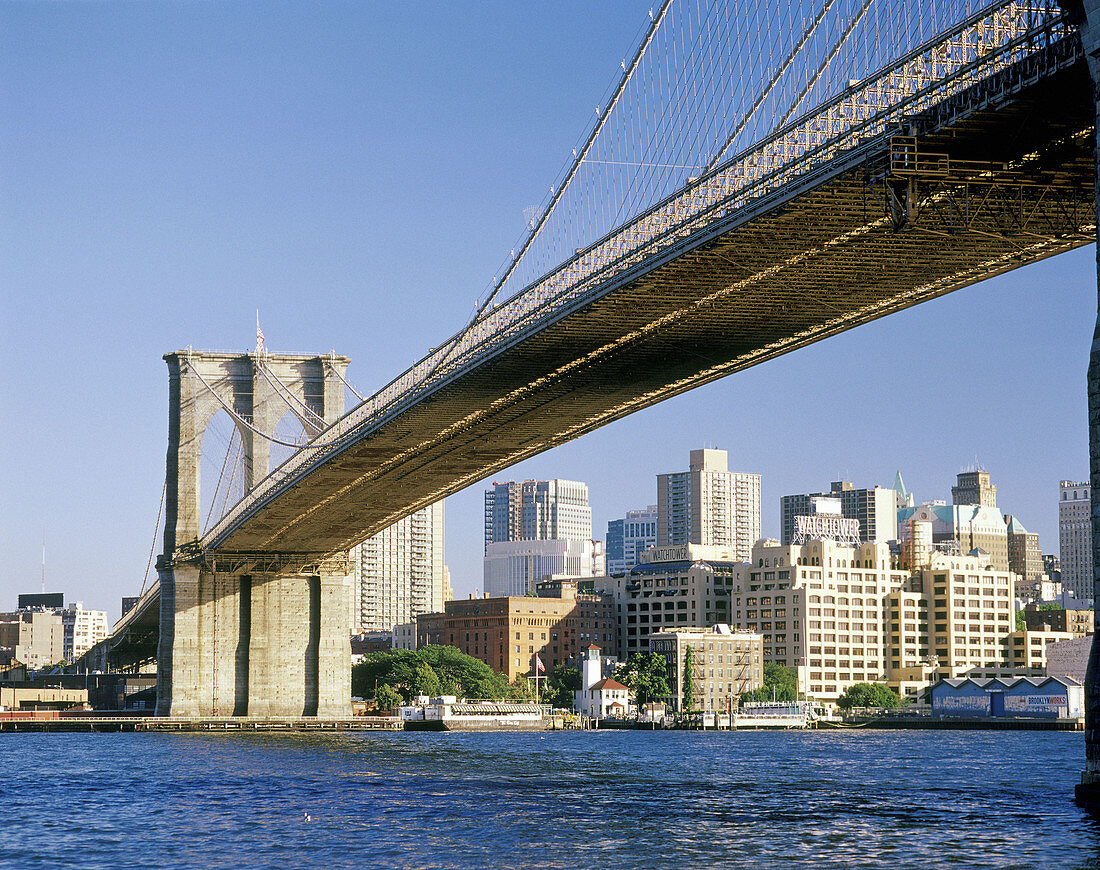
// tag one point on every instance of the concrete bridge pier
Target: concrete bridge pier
(299, 655)
(274, 644)
(202, 668)
(1087, 16)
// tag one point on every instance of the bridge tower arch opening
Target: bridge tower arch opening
(247, 633)
(223, 468)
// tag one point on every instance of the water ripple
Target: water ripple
(557, 800)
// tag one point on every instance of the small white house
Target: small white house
(599, 697)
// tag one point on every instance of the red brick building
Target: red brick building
(507, 633)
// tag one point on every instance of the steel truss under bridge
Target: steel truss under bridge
(877, 155)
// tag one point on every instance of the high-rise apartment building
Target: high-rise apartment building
(1024, 557)
(399, 573)
(1075, 536)
(35, 638)
(516, 567)
(709, 505)
(537, 529)
(820, 608)
(628, 538)
(537, 510)
(876, 510)
(80, 629)
(841, 614)
(974, 487)
(965, 609)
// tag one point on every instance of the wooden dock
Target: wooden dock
(25, 724)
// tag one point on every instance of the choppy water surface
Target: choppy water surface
(569, 800)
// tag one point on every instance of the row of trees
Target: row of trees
(395, 677)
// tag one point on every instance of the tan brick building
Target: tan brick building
(508, 632)
(1026, 651)
(970, 609)
(841, 614)
(673, 587)
(725, 663)
(821, 608)
(1077, 622)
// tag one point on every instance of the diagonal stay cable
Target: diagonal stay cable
(856, 19)
(783, 67)
(312, 419)
(448, 348)
(221, 475)
(343, 380)
(156, 529)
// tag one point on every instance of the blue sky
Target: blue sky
(357, 172)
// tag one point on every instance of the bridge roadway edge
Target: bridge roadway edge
(600, 369)
(588, 374)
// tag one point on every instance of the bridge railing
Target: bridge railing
(998, 37)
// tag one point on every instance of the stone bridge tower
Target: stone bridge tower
(248, 634)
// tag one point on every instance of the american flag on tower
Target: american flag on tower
(259, 335)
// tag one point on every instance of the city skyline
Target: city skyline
(161, 190)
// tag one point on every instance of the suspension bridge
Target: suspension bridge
(760, 177)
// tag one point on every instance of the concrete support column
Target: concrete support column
(334, 639)
(279, 654)
(299, 650)
(197, 671)
(236, 645)
(267, 409)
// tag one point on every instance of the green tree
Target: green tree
(393, 668)
(1021, 624)
(522, 689)
(868, 695)
(689, 680)
(646, 674)
(387, 698)
(430, 670)
(780, 683)
(426, 681)
(559, 686)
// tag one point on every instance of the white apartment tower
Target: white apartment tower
(399, 573)
(537, 510)
(710, 505)
(1075, 536)
(515, 567)
(628, 538)
(534, 530)
(83, 629)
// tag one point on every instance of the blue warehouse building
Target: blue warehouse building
(1009, 698)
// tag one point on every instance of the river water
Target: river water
(555, 800)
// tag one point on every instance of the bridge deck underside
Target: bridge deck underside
(857, 247)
